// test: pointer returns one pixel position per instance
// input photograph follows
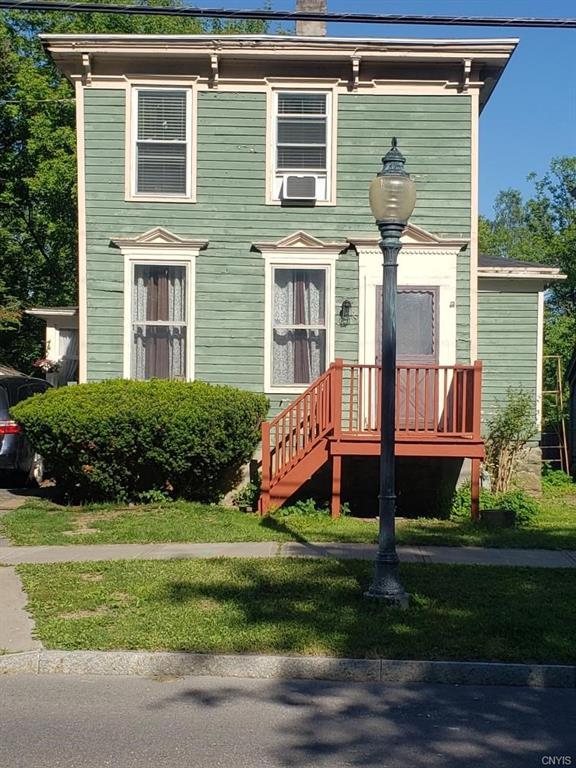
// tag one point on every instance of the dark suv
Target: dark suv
(19, 465)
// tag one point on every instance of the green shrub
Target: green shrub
(310, 508)
(555, 479)
(524, 506)
(462, 501)
(508, 433)
(247, 497)
(122, 440)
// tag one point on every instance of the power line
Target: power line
(270, 15)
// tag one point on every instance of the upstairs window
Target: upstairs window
(302, 146)
(162, 142)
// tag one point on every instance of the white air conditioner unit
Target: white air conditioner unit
(299, 187)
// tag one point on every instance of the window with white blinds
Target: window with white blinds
(162, 142)
(302, 138)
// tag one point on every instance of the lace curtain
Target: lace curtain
(298, 353)
(159, 322)
(68, 353)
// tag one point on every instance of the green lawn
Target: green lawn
(304, 607)
(40, 522)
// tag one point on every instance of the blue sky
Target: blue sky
(531, 116)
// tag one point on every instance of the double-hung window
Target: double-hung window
(160, 319)
(299, 325)
(302, 143)
(162, 142)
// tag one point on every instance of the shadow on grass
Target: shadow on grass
(329, 724)
(316, 607)
(275, 524)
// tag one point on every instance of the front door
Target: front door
(416, 345)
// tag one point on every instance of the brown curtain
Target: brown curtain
(157, 339)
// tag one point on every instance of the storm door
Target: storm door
(416, 351)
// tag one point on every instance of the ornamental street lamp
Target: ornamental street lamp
(392, 200)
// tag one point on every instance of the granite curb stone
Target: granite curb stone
(167, 664)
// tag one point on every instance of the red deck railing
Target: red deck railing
(433, 403)
(431, 400)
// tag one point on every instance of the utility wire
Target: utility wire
(270, 15)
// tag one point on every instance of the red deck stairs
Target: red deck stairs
(437, 415)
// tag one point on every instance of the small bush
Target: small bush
(132, 440)
(508, 433)
(524, 507)
(555, 479)
(310, 508)
(247, 497)
(462, 501)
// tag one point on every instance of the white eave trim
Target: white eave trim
(298, 40)
(46, 313)
(525, 274)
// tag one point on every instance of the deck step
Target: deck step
(287, 485)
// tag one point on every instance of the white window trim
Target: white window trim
(331, 138)
(296, 261)
(168, 260)
(131, 142)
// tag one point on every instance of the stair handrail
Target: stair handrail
(313, 415)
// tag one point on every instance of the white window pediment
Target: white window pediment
(302, 244)
(157, 240)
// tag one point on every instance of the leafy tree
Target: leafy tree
(38, 166)
(542, 229)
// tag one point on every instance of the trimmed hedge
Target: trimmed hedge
(129, 440)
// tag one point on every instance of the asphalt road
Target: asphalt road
(89, 722)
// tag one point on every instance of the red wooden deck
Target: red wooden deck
(437, 415)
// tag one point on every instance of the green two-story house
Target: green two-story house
(225, 235)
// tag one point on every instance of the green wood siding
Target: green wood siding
(230, 212)
(507, 343)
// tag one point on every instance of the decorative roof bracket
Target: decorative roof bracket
(465, 84)
(86, 69)
(355, 72)
(214, 67)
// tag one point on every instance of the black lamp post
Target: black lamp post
(392, 200)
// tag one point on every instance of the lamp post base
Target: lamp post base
(393, 598)
(386, 585)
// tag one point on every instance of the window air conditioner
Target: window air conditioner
(299, 187)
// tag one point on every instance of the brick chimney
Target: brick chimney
(311, 28)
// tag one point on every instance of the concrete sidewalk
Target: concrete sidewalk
(537, 558)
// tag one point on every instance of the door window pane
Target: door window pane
(415, 323)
